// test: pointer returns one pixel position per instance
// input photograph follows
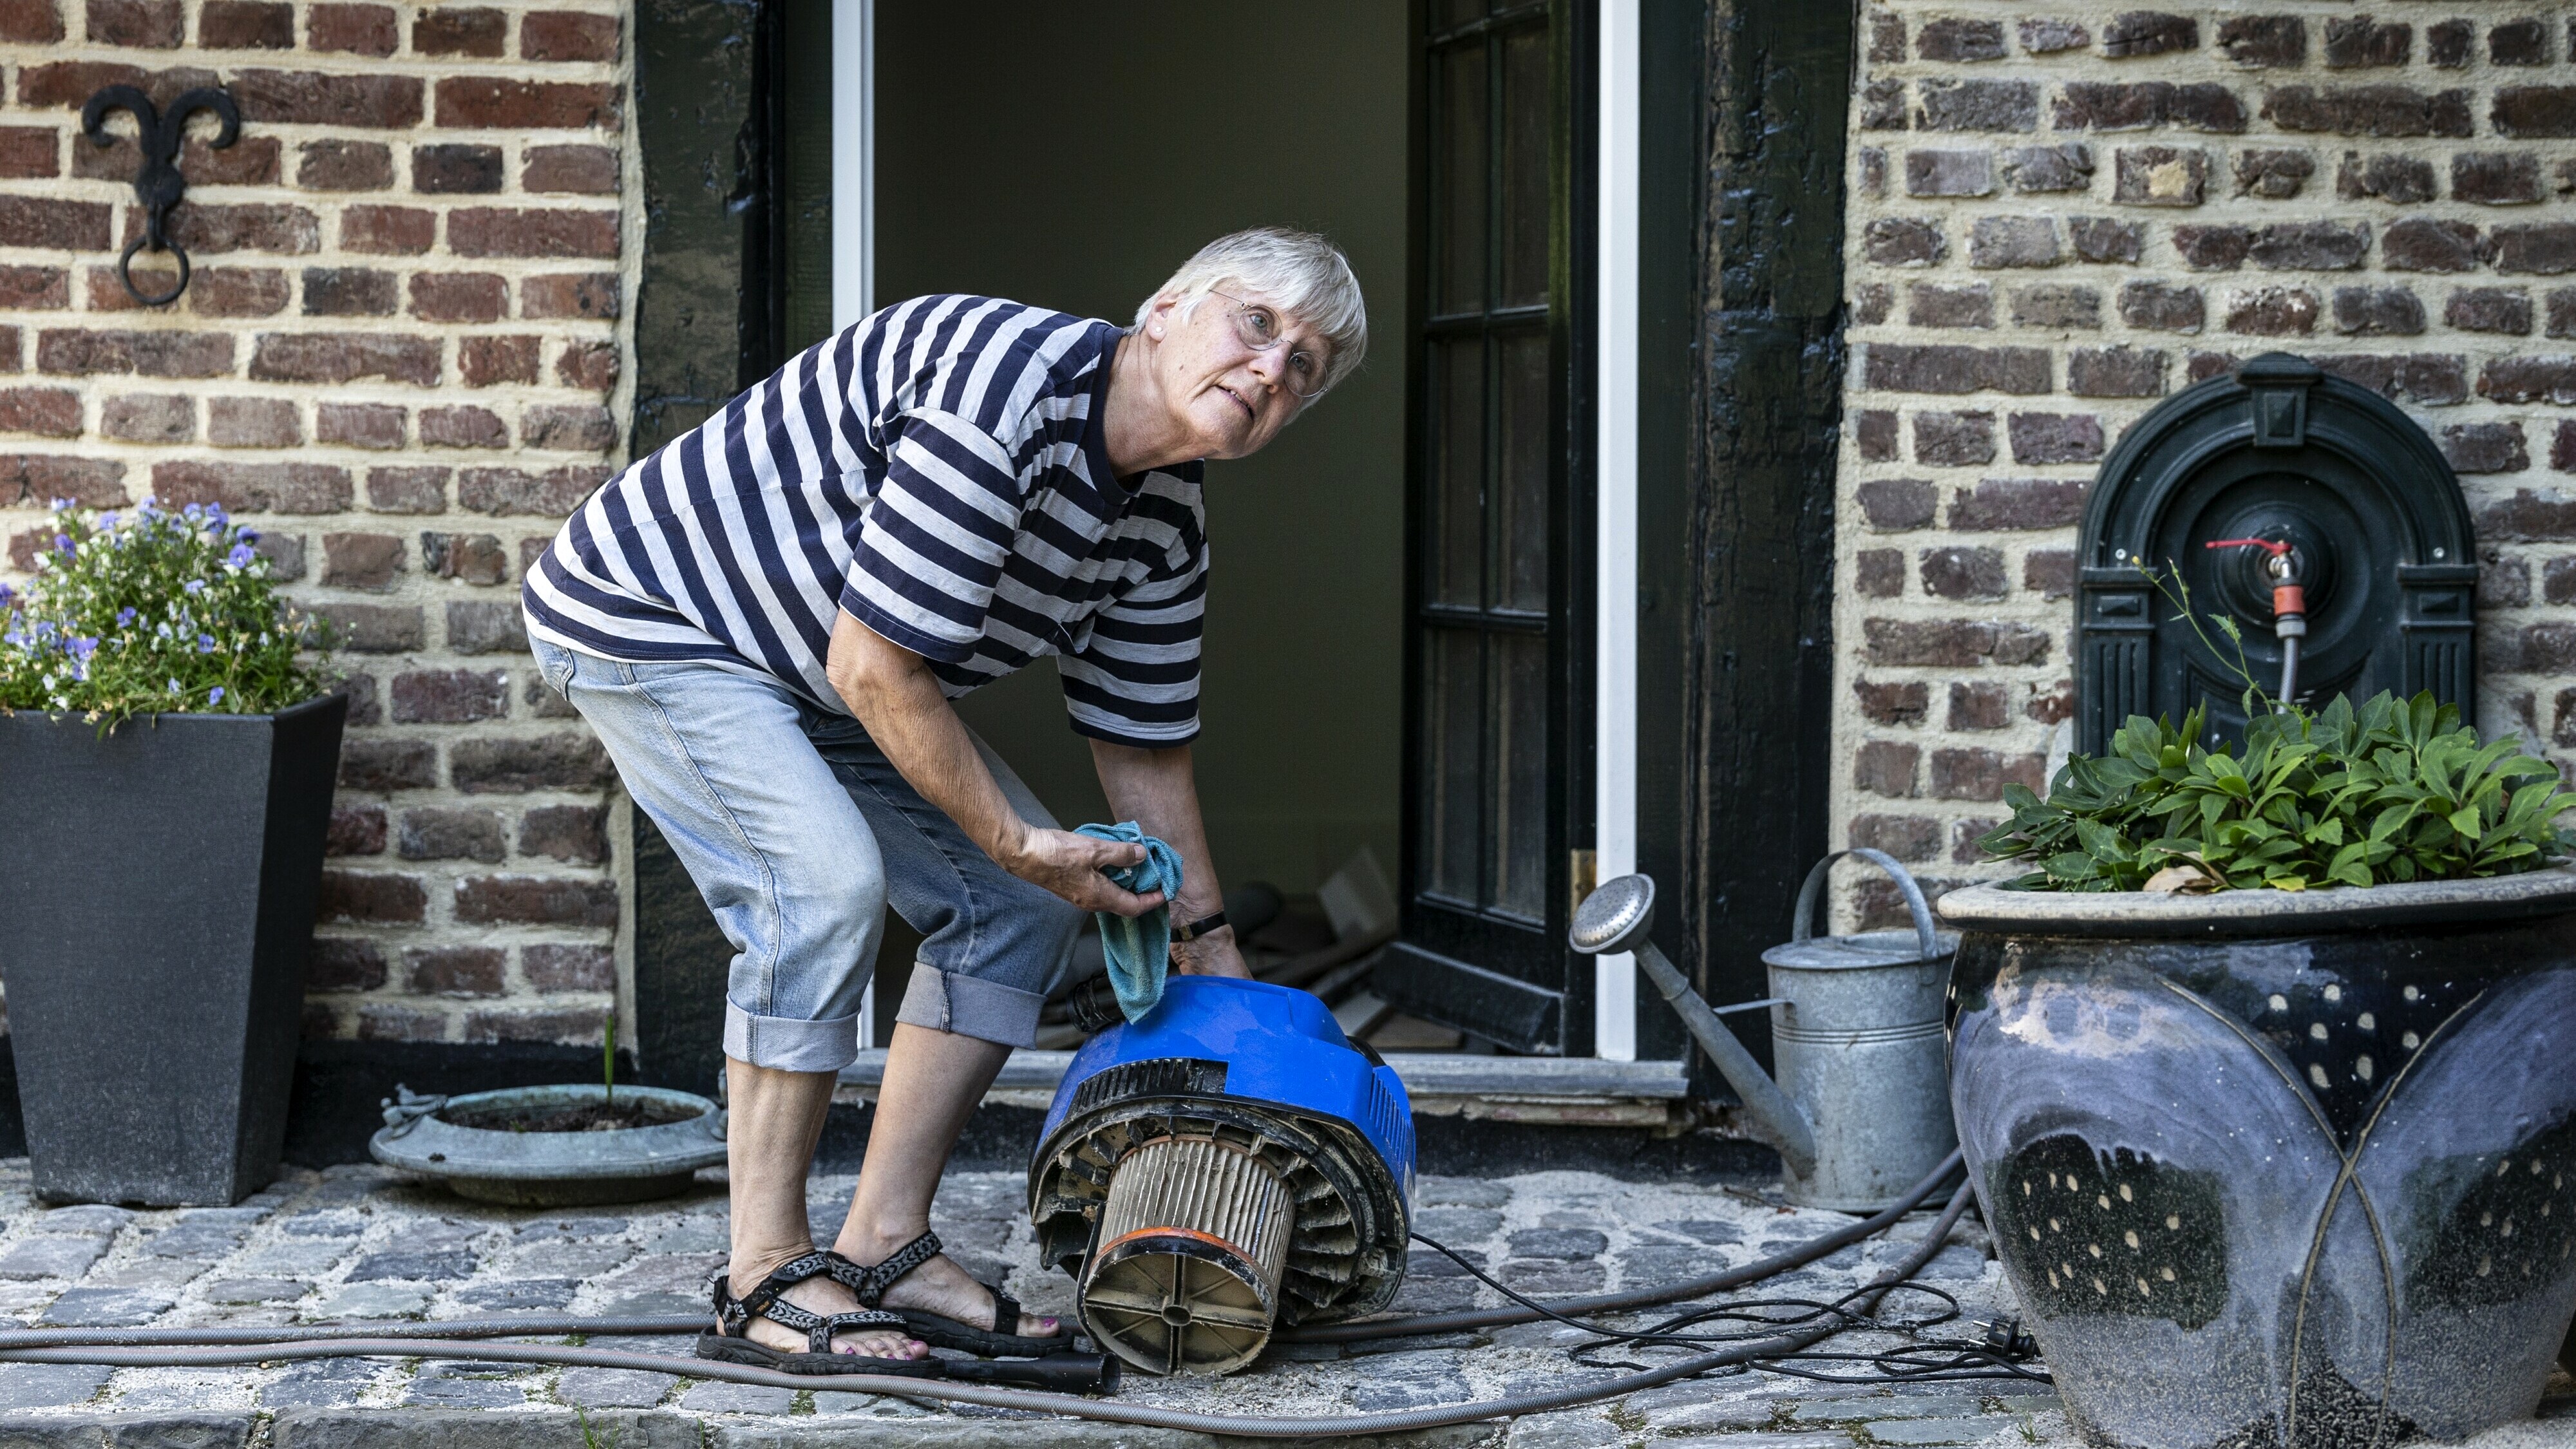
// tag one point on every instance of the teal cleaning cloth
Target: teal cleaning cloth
(1139, 948)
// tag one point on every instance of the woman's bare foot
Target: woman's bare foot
(940, 1286)
(817, 1295)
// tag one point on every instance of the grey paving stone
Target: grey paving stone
(465, 1386)
(714, 1398)
(569, 1260)
(413, 1267)
(198, 1429)
(1411, 1343)
(81, 1218)
(1874, 1406)
(303, 1257)
(256, 1290)
(1424, 1263)
(1707, 1415)
(49, 1385)
(1458, 1226)
(656, 1305)
(520, 1295)
(569, 1229)
(1762, 1441)
(246, 1214)
(372, 1300)
(207, 1241)
(689, 1237)
(1578, 1429)
(1569, 1243)
(1934, 1431)
(160, 1275)
(607, 1388)
(319, 1383)
(874, 1406)
(437, 1235)
(105, 1308)
(1435, 1295)
(330, 1223)
(1542, 1276)
(1409, 1381)
(1461, 1192)
(340, 1428)
(1667, 1262)
(51, 1257)
(1706, 1230)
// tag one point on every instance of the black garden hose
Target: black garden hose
(200, 1348)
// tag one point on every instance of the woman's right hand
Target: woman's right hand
(1073, 866)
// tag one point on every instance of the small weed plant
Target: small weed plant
(152, 611)
(2396, 790)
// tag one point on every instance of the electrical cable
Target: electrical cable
(170, 1352)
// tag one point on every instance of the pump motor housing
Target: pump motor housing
(1229, 1163)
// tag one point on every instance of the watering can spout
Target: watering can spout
(1616, 918)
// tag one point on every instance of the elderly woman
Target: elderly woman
(765, 622)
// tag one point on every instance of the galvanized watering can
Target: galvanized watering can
(1862, 1108)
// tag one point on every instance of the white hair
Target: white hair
(1305, 275)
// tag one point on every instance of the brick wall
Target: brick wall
(2062, 213)
(400, 358)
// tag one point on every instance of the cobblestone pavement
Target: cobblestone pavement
(359, 1243)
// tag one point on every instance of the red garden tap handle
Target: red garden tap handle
(2288, 599)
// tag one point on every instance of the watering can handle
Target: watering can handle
(1914, 901)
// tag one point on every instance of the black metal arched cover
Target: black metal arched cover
(2372, 510)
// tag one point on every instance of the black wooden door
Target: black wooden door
(1499, 629)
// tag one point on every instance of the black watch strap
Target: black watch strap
(1199, 927)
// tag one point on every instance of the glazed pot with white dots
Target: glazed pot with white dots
(2272, 1168)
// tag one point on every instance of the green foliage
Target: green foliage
(152, 612)
(2393, 791)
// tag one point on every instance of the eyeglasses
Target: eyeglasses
(1259, 329)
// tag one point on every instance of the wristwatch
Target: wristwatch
(1199, 927)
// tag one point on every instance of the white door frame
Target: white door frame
(854, 223)
(1614, 392)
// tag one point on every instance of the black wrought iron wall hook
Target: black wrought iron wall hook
(157, 182)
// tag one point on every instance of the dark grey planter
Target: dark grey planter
(157, 894)
(2275, 1169)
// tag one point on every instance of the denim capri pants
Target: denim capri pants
(799, 833)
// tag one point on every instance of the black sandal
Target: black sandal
(728, 1343)
(938, 1330)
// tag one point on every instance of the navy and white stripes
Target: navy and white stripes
(939, 471)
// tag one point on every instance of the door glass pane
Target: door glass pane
(1459, 12)
(1458, 468)
(1521, 473)
(1526, 123)
(1453, 718)
(1520, 781)
(1461, 158)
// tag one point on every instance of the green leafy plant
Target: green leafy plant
(2397, 790)
(153, 611)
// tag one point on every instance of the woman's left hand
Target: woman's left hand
(1213, 954)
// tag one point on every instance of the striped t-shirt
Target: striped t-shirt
(939, 470)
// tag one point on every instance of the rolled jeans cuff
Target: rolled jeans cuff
(786, 1044)
(985, 1010)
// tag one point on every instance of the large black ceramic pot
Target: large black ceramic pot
(157, 893)
(2274, 1169)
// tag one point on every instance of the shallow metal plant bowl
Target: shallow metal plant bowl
(551, 1169)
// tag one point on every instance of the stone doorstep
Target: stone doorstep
(624, 1429)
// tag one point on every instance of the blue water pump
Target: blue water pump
(1228, 1163)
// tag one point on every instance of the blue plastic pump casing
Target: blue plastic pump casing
(1268, 1069)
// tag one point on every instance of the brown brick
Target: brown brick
(2014, 241)
(486, 361)
(246, 25)
(1971, 774)
(337, 357)
(369, 561)
(447, 834)
(373, 628)
(355, 829)
(2017, 503)
(1886, 37)
(237, 292)
(29, 152)
(2489, 309)
(386, 102)
(387, 230)
(148, 418)
(553, 968)
(254, 487)
(1950, 38)
(1979, 706)
(142, 24)
(379, 1021)
(591, 366)
(30, 22)
(2149, 32)
(568, 428)
(2042, 438)
(358, 425)
(1875, 432)
(474, 558)
(1906, 837)
(362, 896)
(2115, 372)
(460, 31)
(2547, 250)
(36, 478)
(539, 702)
(2448, 43)
(257, 227)
(1952, 643)
(348, 292)
(579, 1027)
(77, 353)
(1952, 370)
(2431, 378)
(2381, 110)
(1949, 173)
(249, 161)
(1962, 573)
(2530, 380)
(1884, 767)
(46, 412)
(407, 490)
(53, 225)
(1893, 704)
(462, 427)
(486, 628)
(2497, 178)
(353, 29)
(576, 834)
(2155, 306)
(455, 169)
(485, 231)
(1871, 303)
(1954, 440)
(2377, 312)
(2421, 244)
(2108, 106)
(2049, 35)
(2485, 447)
(458, 296)
(2057, 306)
(1892, 505)
(2161, 176)
(2558, 582)
(577, 170)
(2519, 42)
(2384, 177)
(2213, 248)
(2036, 170)
(493, 103)
(2273, 175)
(1976, 105)
(2049, 573)
(386, 765)
(486, 765)
(2535, 111)
(1882, 106)
(2310, 246)
(2100, 239)
(2527, 517)
(1903, 242)
(585, 294)
(339, 963)
(70, 83)
(2503, 583)
(343, 165)
(536, 900)
(2272, 311)
(454, 970)
(567, 35)
(1879, 573)
(2543, 649)
(253, 422)
(2361, 43)
(2264, 40)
